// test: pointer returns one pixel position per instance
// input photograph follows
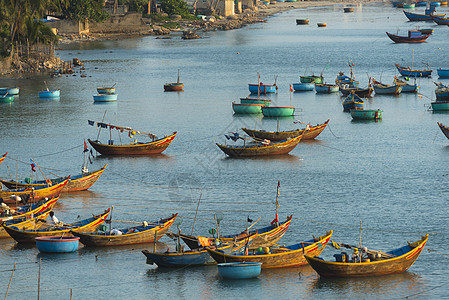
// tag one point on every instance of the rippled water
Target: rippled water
(390, 174)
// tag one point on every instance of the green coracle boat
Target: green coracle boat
(278, 111)
(6, 99)
(247, 108)
(366, 114)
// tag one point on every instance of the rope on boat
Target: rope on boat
(431, 250)
(328, 125)
(27, 163)
(425, 291)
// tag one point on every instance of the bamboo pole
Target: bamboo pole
(10, 280)
(99, 129)
(45, 178)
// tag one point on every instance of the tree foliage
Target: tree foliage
(175, 7)
(135, 5)
(79, 10)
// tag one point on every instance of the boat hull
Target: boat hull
(387, 90)
(277, 148)
(366, 114)
(420, 17)
(394, 265)
(9, 91)
(440, 106)
(307, 134)
(49, 94)
(265, 102)
(291, 256)
(197, 257)
(130, 236)
(6, 98)
(35, 195)
(444, 129)
(243, 108)
(174, 87)
(345, 91)
(57, 244)
(407, 39)
(301, 87)
(326, 88)
(277, 111)
(155, 147)
(262, 88)
(443, 73)
(241, 270)
(105, 97)
(413, 73)
(440, 20)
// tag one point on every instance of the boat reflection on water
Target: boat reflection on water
(283, 158)
(378, 287)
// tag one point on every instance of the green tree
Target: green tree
(135, 5)
(175, 7)
(79, 10)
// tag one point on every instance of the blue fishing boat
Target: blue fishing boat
(105, 97)
(342, 79)
(57, 244)
(406, 87)
(9, 91)
(408, 5)
(301, 87)
(435, 4)
(262, 88)
(443, 73)
(408, 72)
(422, 17)
(421, 3)
(324, 88)
(239, 270)
(352, 102)
(247, 100)
(48, 93)
(6, 98)
(247, 108)
(440, 20)
(440, 105)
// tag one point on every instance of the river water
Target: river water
(391, 174)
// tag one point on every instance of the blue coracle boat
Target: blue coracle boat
(105, 97)
(443, 73)
(9, 91)
(47, 93)
(239, 270)
(301, 87)
(57, 244)
(262, 88)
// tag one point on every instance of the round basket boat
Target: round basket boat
(239, 270)
(348, 9)
(57, 244)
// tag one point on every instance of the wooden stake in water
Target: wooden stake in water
(7, 290)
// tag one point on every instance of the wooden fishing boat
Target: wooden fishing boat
(348, 9)
(31, 195)
(262, 88)
(260, 148)
(272, 257)
(308, 133)
(302, 21)
(247, 100)
(324, 88)
(414, 36)
(406, 88)
(57, 244)
(174, 86)
(278, 111)
(442, 92)
(26, 213)
(301, 87)
(239, 270)
(310, 79)
(352, 101)
(32, 230)
(386, 89)
(2, 158)
(366, 114)
(105, 97)
(321, 24)
(425, 30)
(444, 129)
(79, 182)
(9, 91)
(146, 233)
(262, 237)
(420, 17)
(443, 73)
(156, 146)
(247, 108)
(391, 262)
(48, 93)
(408, 72)
(106, 90)
(361, 92)
(6, 98)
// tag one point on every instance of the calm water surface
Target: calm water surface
(390, 174)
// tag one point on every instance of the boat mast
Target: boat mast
(178, 76)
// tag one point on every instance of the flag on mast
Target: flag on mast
(33, 166)
(277, 202)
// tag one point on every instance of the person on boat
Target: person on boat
(116, 232)
(55, 220)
